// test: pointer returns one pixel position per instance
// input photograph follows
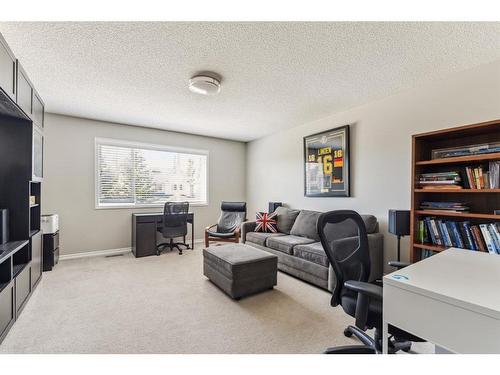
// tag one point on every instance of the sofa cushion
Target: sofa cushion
(285, 244)
(312, 252)
(260, 238)
(305, 225)
(286, 217)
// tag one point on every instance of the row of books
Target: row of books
(485, 148)
(482, 178)
(444, 206)
(469, 177)
(480, 237)
(427, 253)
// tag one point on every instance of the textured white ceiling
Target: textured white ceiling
(275, 75)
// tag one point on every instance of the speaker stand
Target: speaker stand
(399, 248)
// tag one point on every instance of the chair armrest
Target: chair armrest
(246, 227)
(210, 226)
(398, 265)
(371, 290)
(365, 291)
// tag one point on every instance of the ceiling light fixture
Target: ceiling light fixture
(205, 84)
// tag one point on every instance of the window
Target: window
(135, 174)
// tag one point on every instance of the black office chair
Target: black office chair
(174, 225)
(227, 229)
(350, 259)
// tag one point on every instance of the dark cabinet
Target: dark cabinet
(36, 258)
(24, 98)
(37, 154)
(23, 287)
(7, 307)
(21, 161)
(7, 70)
(38, 110)
(145, 237)
(50, 250)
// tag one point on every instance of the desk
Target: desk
(144, 227)
(450, 299)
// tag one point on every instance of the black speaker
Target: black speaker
(273, 206)
(399, 222)
(4, 225)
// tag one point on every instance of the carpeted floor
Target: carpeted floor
(165, 305)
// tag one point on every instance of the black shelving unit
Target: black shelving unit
(21, 176)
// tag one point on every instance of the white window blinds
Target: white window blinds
(129, 174)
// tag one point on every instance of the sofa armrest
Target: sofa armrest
(247, 226)
(376, 245)
(376, 249)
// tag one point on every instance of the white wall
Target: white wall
(68, 187)
(380, 146)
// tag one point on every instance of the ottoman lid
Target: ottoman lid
(237, 254)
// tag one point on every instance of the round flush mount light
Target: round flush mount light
(205, 84)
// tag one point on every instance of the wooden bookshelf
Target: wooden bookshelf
(461, 159)
(466, 215)
(435, 248)
(458, 191)
(482, 202)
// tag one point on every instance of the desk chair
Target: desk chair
(360, 299)
(227, 228)
(174, 225)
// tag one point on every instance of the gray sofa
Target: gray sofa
(299, 250)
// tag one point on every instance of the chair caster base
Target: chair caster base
(350, 349)
(395, 346)
(347, 332)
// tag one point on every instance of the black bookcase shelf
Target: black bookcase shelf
(33, 232)
(10, 248)
(21, 174)
(5, 274)
(16, 270)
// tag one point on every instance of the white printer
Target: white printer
(50, 224)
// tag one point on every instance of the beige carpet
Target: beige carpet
(165, 305)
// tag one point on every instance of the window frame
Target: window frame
(148, 146)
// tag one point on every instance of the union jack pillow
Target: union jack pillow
(266, 222)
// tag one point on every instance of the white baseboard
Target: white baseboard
(104, 253)
(97, 253)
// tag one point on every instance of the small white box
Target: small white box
(50, 223)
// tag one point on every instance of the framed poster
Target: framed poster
(326, 163)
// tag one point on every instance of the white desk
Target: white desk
(451, 299)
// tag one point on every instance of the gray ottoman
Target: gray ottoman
(240, 270)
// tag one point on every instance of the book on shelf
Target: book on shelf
(478, 237)
(485, 148)
(440, 180)
(426, 253)
(494, 174)
(444, 206)
(467, 177)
